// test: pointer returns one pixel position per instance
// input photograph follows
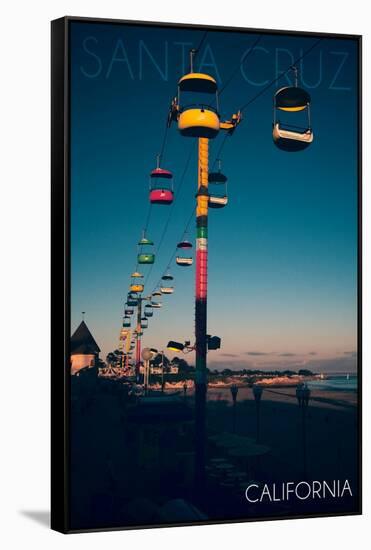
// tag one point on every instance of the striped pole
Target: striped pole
(138, 341)
(201, 311)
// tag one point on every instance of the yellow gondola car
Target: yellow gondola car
(136, 287)
(136, 275)
(198, 118)
(196, 106)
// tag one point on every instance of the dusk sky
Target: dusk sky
(282, 254)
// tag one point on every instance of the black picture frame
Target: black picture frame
(60, 261)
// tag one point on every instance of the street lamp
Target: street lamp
(303, 397)
(234, 392)
(212, 343)
(162, 371)
(257, 393)
(175, 346)
(147, 355)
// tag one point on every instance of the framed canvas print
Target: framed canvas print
(206, 274)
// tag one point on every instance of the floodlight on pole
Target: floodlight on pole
(175, 346)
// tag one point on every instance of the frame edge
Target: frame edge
(59, 279)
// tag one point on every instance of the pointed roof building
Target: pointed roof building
(82, 341)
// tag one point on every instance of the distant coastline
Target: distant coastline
(315, 381)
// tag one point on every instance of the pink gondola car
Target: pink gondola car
(161, 189)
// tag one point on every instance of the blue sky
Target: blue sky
(282, 254)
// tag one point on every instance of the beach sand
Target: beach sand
(102, 471)
(331, 428)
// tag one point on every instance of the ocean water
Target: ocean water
(335, 382)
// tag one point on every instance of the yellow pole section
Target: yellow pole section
(203, 176)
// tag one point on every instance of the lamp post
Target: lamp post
(162, 373)
(234, 392)
(257, 393)
(147, 355)
(303, 397)
(138, 302)
(138, 336)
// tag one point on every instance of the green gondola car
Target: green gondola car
(145, 242)
(146, 258)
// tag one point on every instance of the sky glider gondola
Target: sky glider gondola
(218, 197)
(132, 296)
(132, 302)
(161, 190)
(197, 116)
(184, 260)
(292, 99)
(184, 244)
(167, 277)
(156, 305)
(129, 311)
(144, 322)
(136, 287)
(156, 293)
(126, 322)
(144, 256)
(196, 106)
(167, 290)
(148, 310)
